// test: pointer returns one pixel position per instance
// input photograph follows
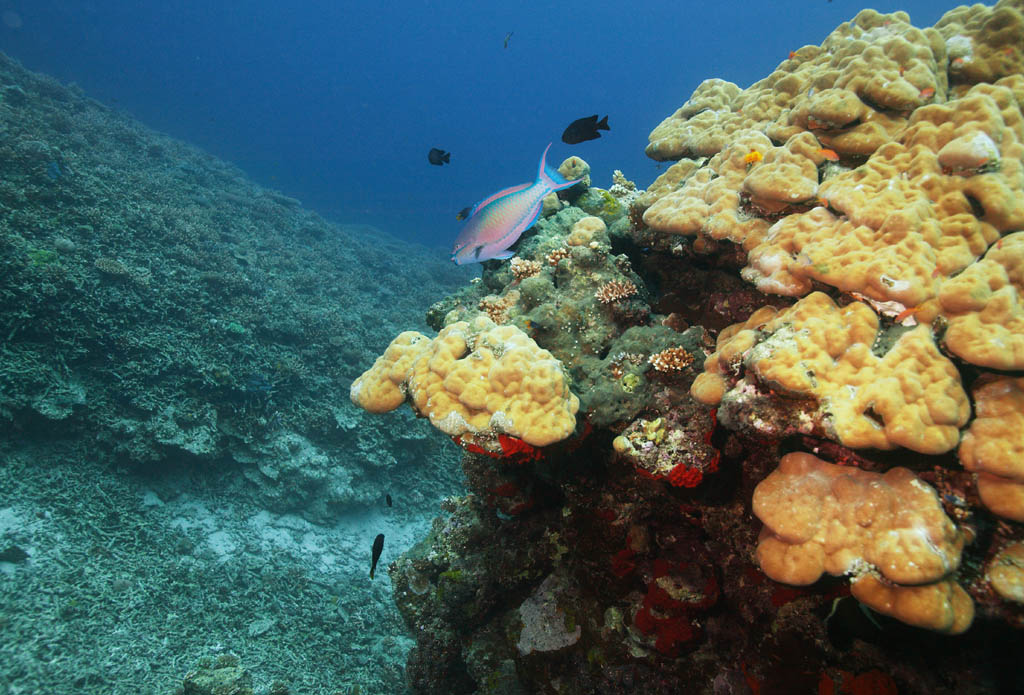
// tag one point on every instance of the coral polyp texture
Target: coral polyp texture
(798, 358)
(473, 378)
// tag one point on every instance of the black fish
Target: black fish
(583, 129)
(848, 620)
(378, 546)
(438, 157)
(463, 214)
(387, 498)
(508, 37)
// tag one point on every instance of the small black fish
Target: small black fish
(378, 546)
(583, 129)
(438, 157)
(463, 213)
(387, 498)
(508, 37)
(848, 620)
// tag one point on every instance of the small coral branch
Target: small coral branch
(671, 360)
(615, 290)
(557, 255)
(497, 308)
(522, 268)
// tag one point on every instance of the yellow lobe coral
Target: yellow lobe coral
(944, 169)
(993, 446)
(943, 606)
(821, 517)
(920, 210)
(709, 202)
(888, 531)
(983, 308)
(382, 388)
(1005, 572)
(474, 378)
(875, 59)
(910, 397)
(983, 43)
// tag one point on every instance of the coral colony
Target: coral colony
(705, 419)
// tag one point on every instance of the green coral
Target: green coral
(601, 203)
(630, 382)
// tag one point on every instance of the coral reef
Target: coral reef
(755, 429)
(795, 469)
(183, 474)
(163, 305)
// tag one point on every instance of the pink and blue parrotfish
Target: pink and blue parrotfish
(497, 221)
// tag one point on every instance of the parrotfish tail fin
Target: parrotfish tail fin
(551, 178)
(602, 124)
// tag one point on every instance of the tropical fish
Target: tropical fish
(907, 314)
(583, 129)
(752, 157)
(378, 546)
(387, 498)
(508, 37)
(462, 214)
(438, 157)
(830, 155)
(497, 221)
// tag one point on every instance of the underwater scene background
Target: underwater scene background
(731, 400)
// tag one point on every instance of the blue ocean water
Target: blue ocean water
(338, 102)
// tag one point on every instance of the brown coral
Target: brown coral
(497, 308)
(558, 255)
(522, 268)
(615, 290)
(673, 359)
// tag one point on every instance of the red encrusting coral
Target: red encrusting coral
(681, 476)
(513, 449)
(672, 618)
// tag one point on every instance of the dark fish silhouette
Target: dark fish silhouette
(387, 498)
(463, 213)
(508, 37)
(438, 157)
(378, 546)
(583, 129)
